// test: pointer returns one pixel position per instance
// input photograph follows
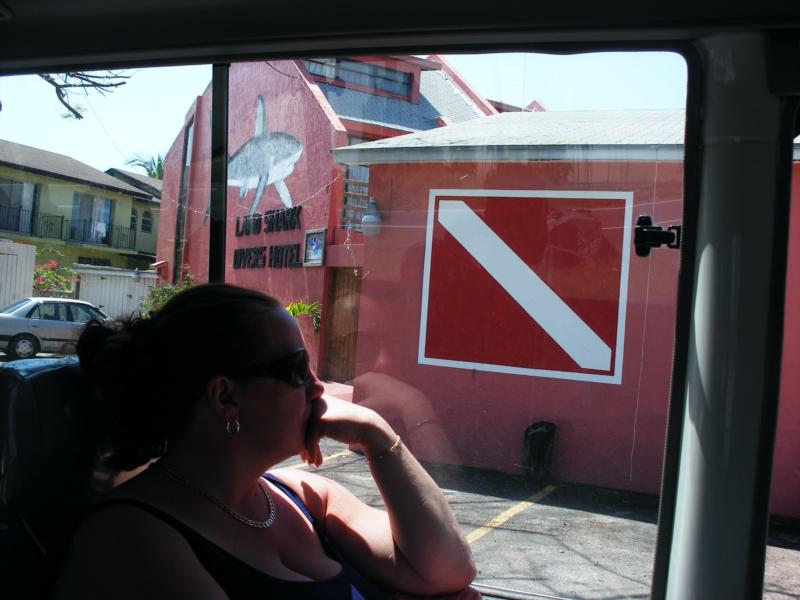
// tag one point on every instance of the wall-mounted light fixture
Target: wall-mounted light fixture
(371, 221)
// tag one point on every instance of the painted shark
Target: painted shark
(265, 159)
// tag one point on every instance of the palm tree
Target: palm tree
(153, 166)
(313, 310)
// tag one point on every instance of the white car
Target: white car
(35, 325)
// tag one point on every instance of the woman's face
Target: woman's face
(273, 414)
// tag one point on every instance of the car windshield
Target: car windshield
(11, 308)
(99, 314)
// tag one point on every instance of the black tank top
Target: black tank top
(242, 581)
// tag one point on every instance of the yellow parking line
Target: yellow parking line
(508, 514)
(336, 455)
(325, 459)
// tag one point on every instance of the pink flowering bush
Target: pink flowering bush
(50, 277)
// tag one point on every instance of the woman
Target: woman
(216, 387)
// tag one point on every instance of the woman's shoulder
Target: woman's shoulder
(305, 483)
(322, 496)
(312, 490)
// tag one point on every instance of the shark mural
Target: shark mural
(267, 158)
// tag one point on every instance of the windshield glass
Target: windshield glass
(463, 225)
(13, 307)
(455, 237)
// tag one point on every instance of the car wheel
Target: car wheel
(23, 346)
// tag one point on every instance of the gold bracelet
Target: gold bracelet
(393, 450)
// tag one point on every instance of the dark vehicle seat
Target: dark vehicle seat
(49, 423)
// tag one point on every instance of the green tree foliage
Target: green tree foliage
(313, 310)
(153, 165)
(160, 295)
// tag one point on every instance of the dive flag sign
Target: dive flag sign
(527, 282)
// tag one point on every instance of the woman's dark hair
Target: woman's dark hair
(151, 370)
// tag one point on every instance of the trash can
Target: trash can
(538, 451)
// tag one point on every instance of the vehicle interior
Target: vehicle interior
(724, 333)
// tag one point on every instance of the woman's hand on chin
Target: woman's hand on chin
(347, 423)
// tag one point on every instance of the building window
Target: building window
(91, 219)
(364, 74)
(147, 221)
(16, 205)
(356, 190)
(133, 218)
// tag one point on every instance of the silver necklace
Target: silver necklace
(239, 517)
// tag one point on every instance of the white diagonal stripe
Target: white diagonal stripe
(544, 306)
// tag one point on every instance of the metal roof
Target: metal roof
(439, 96)
(447, 98)
(151, 185)
(43, 162)
(374, 108)
(553, 135)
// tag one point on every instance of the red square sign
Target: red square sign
(527, 282)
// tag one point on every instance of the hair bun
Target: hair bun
(91, 343)
(119, 348)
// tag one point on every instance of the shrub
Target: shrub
(160, 295)
(51, 278)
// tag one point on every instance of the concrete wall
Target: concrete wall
(16, 271)
(117, 292)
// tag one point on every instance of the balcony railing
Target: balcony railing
(21, 220)
(48, 226)
(82, 231)
(354, 203)
(85, 231)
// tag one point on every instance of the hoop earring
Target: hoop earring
(232, 426)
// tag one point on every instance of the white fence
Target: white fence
(117, 292)
(16, 271)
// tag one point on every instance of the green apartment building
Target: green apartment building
(74, 212)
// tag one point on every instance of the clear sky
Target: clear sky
(144, 116)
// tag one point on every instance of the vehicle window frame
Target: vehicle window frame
(72, 308)
(60, 311)
(33, 309)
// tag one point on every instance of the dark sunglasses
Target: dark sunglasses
(292, 369)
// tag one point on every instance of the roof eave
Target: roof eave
(136, 194)
(508, 153)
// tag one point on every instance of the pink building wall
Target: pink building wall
(609, 435)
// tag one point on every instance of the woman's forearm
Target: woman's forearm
(424, 528)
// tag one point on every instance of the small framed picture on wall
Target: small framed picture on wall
(314, 253)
